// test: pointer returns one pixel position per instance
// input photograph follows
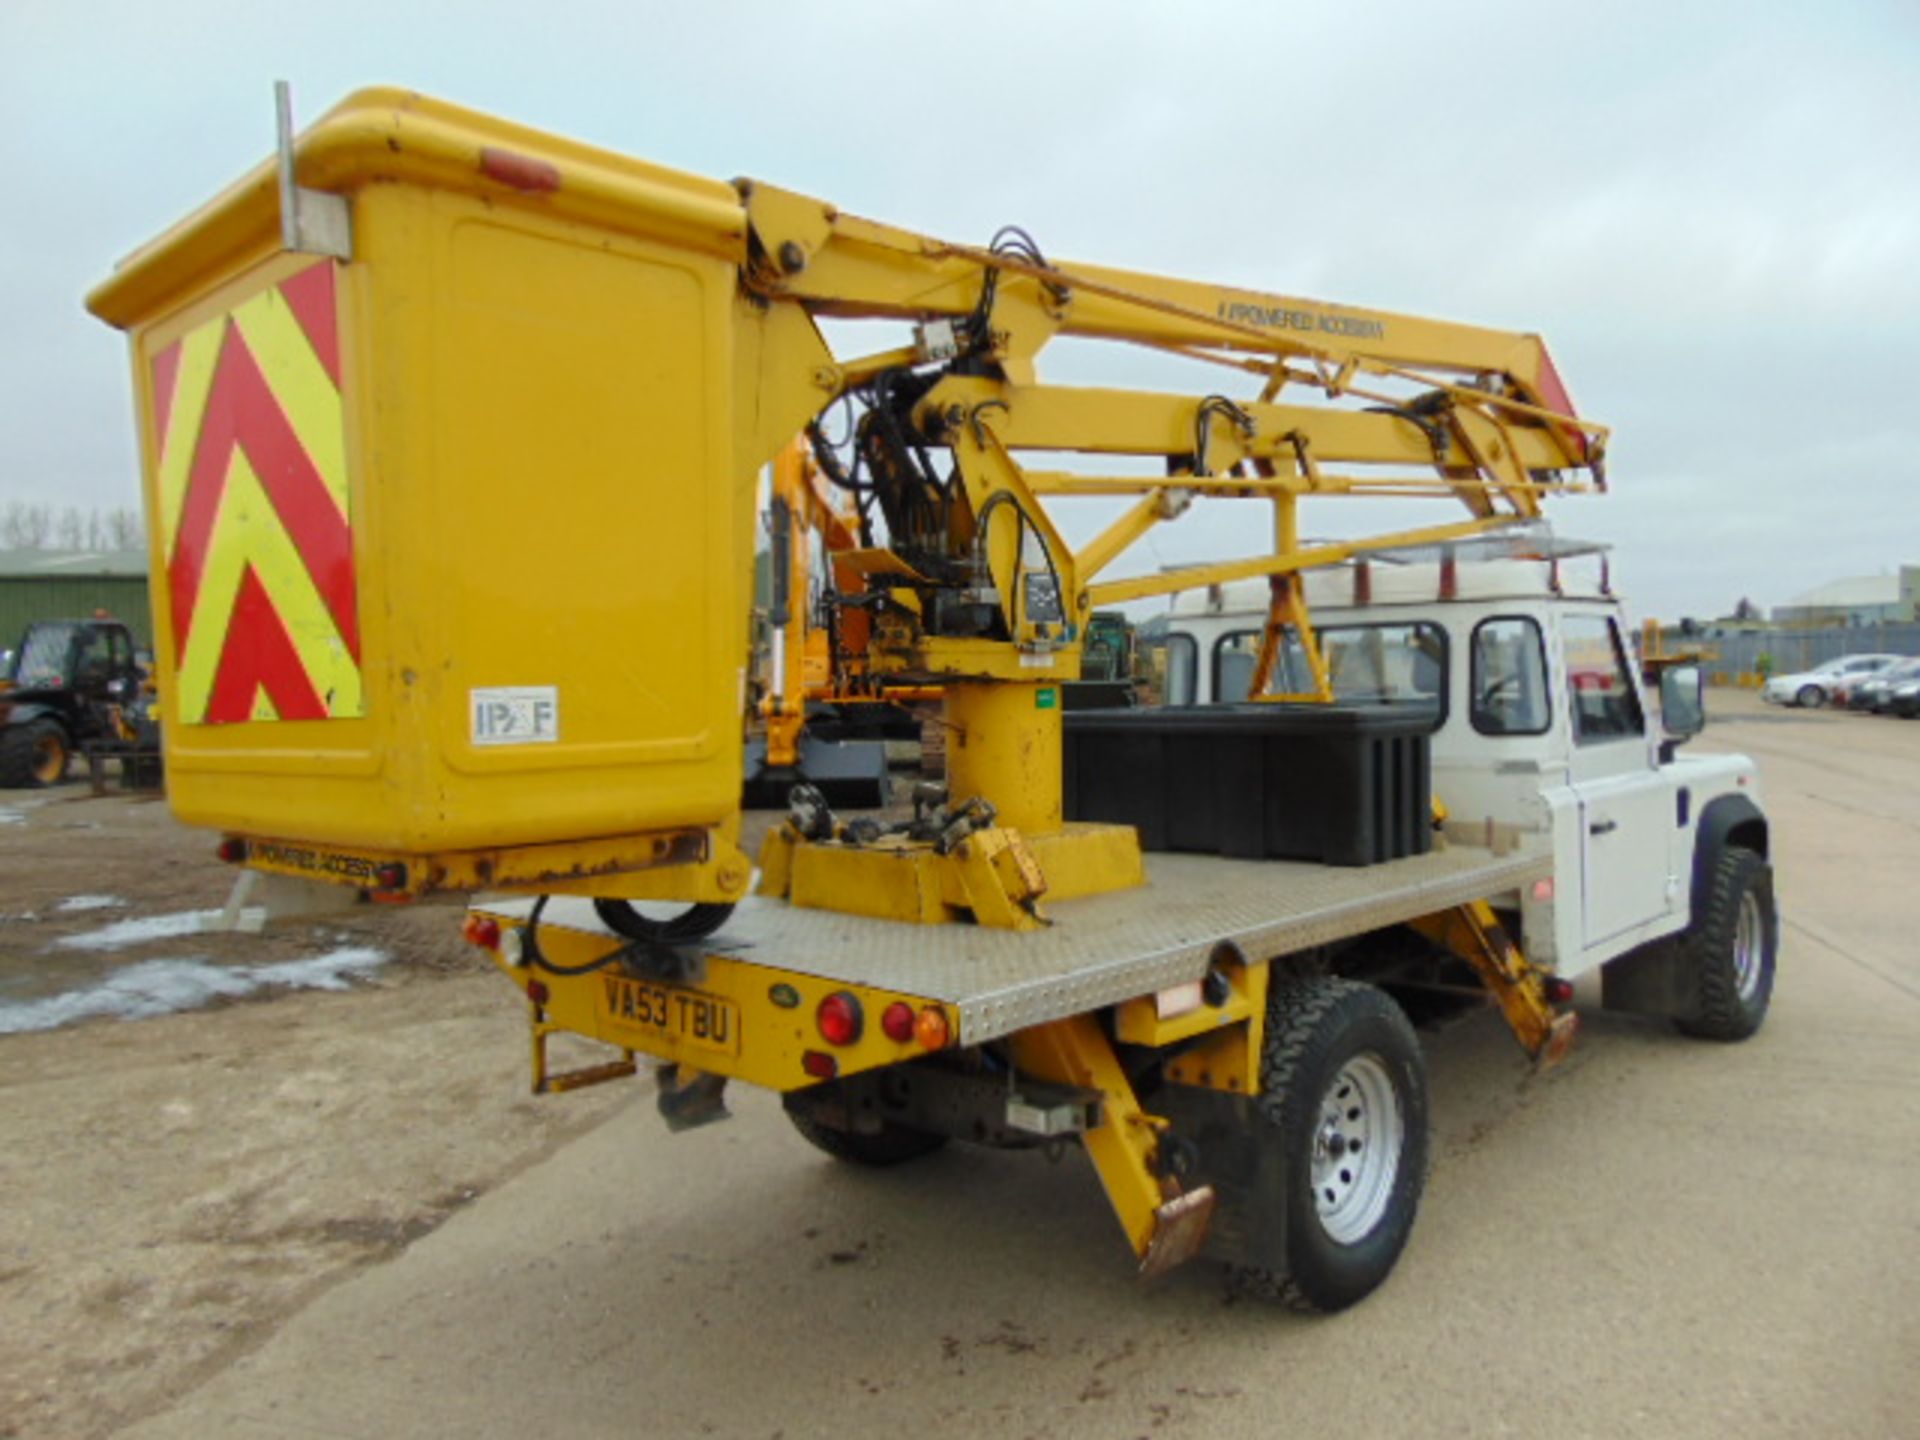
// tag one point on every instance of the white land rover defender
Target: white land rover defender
(1542, 733)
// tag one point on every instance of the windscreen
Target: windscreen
(41, 662)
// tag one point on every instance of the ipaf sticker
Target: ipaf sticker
(516, 715)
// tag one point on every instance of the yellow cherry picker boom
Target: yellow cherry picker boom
(452, 433)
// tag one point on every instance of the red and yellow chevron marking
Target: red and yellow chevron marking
(253, 510)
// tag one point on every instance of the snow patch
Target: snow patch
(123, 933)
(90, 902)
(12, 817)
(160, 987)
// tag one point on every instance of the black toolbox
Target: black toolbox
(1338, 784)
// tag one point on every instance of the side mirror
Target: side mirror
(1683, 702)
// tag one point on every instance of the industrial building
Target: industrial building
(62, 584)
(1889, 599)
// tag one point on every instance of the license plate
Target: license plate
(688, 1017)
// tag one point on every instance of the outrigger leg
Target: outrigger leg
(1474, 933)
(1165, 1223)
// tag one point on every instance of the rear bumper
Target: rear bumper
(703, 1009)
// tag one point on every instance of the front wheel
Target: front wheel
(34, 755)
(1731, 948)
(695, 922)
(1809, 697)
(1344, 1094)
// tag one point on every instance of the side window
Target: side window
(1510, 695)
(1391, 664)
(1599, 685)
(1400, 664)
(1233, 657)
(92, 664)
(1233, 660)
(1183, 669)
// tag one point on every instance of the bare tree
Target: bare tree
(125, 530)
(26, 527)
(70, 529)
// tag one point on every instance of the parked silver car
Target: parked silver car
(1812, 687)
(1875, 693)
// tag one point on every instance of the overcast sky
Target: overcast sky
(1710, 211)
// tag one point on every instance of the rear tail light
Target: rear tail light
(1559, 991)
(819, 1065)
(232, 850)
(391, 877)
(930, 1029)
(897, 1022)
(482, 930)
(839, 1019)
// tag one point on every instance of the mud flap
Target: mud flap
(690, 1098)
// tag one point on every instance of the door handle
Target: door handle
(1603, 827)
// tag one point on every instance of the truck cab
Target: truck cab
(1541, 731)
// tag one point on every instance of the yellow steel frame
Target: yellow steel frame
(1474, 934)
(1164, 1223)
(1219, 1044)
(997, 876)
(795, 666)
(1481, 430)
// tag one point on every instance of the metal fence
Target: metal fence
(1794, 650)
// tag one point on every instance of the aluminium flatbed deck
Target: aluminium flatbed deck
(1105, 948)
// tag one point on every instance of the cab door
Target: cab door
(1627, 824)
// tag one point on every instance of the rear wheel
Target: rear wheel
(1731, 947)
(694, 922)
(33, 755)
(890, 1145)
(1344, 1094)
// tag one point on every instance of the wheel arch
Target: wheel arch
(25, 713)
(1654, 979)
(1727, 820)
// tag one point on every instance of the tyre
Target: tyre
(1730, 949)
(696, 922)
(891, 1145)
(1344, 1094)
(33, 755)
(1808, 697)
